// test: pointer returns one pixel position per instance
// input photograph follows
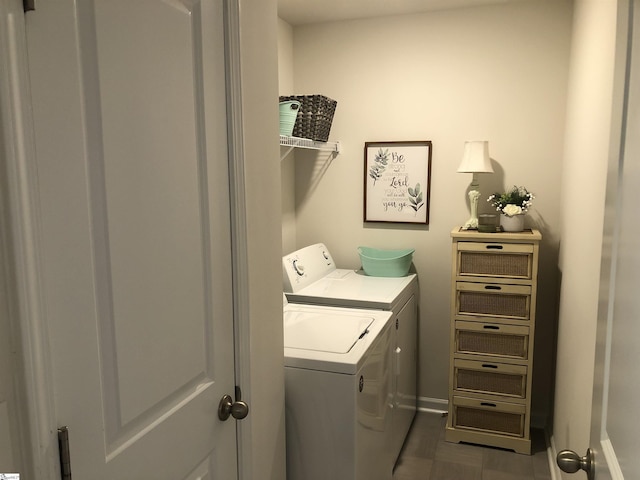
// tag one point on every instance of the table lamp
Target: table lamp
(475, 160)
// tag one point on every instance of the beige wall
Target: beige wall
(287, 173)
(584, 177)
(497, 73)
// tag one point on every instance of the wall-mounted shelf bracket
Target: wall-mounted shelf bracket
(296, 142)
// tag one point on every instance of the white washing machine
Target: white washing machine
(337, 393)
(311, 277)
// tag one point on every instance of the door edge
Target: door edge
(239, 234)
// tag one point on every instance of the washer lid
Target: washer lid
(323, 332)
(348, 288)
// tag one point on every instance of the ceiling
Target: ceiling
(300, 12)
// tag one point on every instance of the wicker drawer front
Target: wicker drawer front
(492, 300)
(492, 378)
(495, 260)
(494, 417)
(510, 341)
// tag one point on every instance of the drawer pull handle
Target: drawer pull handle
(492, 287)
(491, 327)
(487, 404)
(494, 247)
(488, 365)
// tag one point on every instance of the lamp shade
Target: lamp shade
(476, 158)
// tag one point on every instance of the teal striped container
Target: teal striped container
(288, 114)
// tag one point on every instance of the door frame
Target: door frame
(20, 245)
(21, 240)
(239, 234)
(602, 446)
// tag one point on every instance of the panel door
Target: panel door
(614, 422)
(130, 124)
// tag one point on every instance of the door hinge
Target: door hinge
(65, 457)
(29, 5)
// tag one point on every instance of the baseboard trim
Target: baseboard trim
(611, 459)
(433, 405)
(552, 453)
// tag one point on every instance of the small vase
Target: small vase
(514, 223)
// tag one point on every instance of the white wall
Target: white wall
(497, 73)
(583, 196)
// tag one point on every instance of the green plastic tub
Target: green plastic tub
(288, 115)
(386, 263)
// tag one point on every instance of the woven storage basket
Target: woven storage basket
(314, 117)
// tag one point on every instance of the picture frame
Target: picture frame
(397, 181)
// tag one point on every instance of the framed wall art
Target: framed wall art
(397, 179)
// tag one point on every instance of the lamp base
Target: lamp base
(471, 224)
(474, 195)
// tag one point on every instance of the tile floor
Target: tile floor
(427, 456)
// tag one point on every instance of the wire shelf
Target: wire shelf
(296, 142)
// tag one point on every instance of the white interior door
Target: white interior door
(129, 112)
(616, 396)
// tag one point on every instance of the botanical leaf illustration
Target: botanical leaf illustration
(380, 164)
(415, 197)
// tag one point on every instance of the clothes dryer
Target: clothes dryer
(337, 390)
(311, 277)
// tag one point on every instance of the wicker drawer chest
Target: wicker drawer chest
(493, 300)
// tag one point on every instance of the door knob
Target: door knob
(570, 462)
(227, 406)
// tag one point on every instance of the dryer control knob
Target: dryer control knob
(298, 267)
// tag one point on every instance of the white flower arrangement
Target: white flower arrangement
(510, 209)
(516, 201)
